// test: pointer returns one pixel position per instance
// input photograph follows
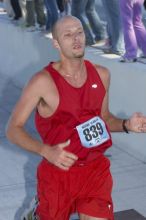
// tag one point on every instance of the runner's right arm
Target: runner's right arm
(35, 89)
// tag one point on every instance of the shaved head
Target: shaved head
(69, 37)
(60, 22)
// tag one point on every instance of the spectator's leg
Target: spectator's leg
(97, 25)
(115, 31)
(30, 15)
(78, 10)
(16, 9)
(139, 27)
(131, 46)
(67, 8)
(39, 8)
(52, 13)
(61, 5)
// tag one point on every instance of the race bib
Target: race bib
(92, 132)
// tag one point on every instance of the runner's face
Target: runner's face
(71, 39)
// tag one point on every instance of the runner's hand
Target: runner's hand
(137, 123)
(58, 156)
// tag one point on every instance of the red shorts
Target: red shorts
(84, 189)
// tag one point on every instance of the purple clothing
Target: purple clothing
(133, 28)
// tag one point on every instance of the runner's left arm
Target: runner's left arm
(136, 123)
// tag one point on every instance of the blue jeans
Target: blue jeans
(134, 30)
(52, 13)
(93, 26)
(114, 25)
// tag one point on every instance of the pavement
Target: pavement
(21, 55)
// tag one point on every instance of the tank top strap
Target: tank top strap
(91, 67)
(54, 73)
(93, 72)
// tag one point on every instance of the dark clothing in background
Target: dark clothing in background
(144, 4)
(16, 9)
(61, 5)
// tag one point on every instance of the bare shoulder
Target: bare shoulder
(42, 77)
(40, 81)
(38, 86)
(104, 74)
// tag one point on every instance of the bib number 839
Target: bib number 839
(93, 131)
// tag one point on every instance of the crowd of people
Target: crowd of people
(36, 14)
(122, 32)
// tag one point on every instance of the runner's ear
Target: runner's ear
(55, 43)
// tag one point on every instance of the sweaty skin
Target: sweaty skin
(41, 93)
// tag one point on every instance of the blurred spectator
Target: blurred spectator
(133, 27)
(61, 4)
(52, 13)
(93, 26)
(16, 9)
(114, 27)
(64, 7)
(35, 9)
(144, 4)
(68, 6)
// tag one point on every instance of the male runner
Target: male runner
(73, 119)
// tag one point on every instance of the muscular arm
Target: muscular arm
(36, 89)
(136, 123)
(28, 101)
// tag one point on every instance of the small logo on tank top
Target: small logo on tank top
(94, 86)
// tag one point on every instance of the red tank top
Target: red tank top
(76, 106)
